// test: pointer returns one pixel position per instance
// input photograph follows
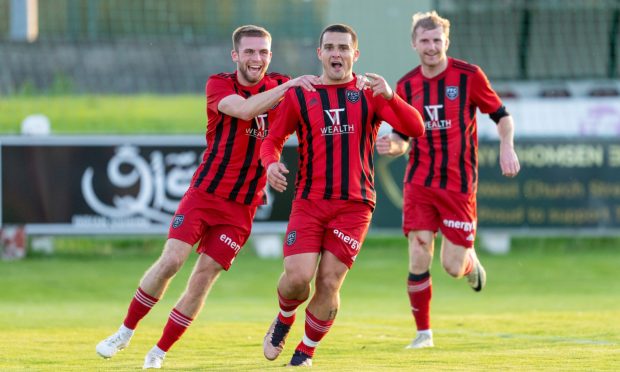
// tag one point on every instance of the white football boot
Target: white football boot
(115, 343)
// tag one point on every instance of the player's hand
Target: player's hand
(378, 85)
(508, 161)
(275, 176)
(391, 145)
(362, 82)
(306, 81)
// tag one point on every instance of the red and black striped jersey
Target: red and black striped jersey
(230, 166)
(336, 127)
(447, 156)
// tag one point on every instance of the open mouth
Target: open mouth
(336, 65)
(255, 68)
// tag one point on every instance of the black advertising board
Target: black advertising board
(132, 185)
(101, 184)
(564, 184)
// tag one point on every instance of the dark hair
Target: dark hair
(342, 28)
(248, 30)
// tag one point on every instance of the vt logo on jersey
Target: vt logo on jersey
(337, 127)
(432, 112)
(260, 131)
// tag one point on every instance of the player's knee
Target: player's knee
(297, 281)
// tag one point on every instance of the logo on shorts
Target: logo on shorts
(452, 92)
(291, 237)
(353, 96)
(348, 240)
(178, 220)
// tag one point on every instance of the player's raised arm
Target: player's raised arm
(401, 116)
(248, 108)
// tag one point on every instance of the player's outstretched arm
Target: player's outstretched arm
(249, 108)
(392, 145)
(508, 160)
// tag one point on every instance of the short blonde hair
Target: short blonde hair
(429, 21)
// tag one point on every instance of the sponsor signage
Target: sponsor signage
(132, 185)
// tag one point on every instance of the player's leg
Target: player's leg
(459, 261)
(420, 224)
(458, 257)
(346, 227)
(151, 289)
(204, 275)
(419, 285)
(301, 251)
(322, 308)
(293, 290)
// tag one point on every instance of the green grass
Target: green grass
(107, 114)
(549, 305)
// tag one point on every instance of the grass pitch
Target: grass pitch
(549, 305)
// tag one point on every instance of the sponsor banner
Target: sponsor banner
(102, 184)
(564, 184)
(558, 117)
(132, 185)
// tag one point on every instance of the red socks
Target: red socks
(419, 288)
(287, 307)
(175, 327)
(140, 305)
(315, 331)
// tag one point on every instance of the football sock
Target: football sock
(288, 308)
(315, 331)
(175, 327)
(140, 305)
(420, 290)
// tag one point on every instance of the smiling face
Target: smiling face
(252, 56)
(431, 46)
(337, 54)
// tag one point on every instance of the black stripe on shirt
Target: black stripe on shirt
(221, 170)
(344, 145)
(219, 129)
(304, 114)
(429, 136)
(443, 133)
(329, 145)
(463, 128)
(254, 185)
(363, 154)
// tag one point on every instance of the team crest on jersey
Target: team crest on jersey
(291, 237)
(353, 96)
(177, 221)
(452, 92)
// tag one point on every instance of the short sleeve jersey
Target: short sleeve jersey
(446, 157)
(336, 127)
(230, 167)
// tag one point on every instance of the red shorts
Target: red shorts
(431, 209)
(222, 226)
(339, 226)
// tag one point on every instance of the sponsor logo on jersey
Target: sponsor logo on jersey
(291, 237)
(460, 225)
(229, 242)
(452, 92)
(260, 131)
(432, 112)
(177, 221)
(354, 244)
(337, 127)
(353, 96)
